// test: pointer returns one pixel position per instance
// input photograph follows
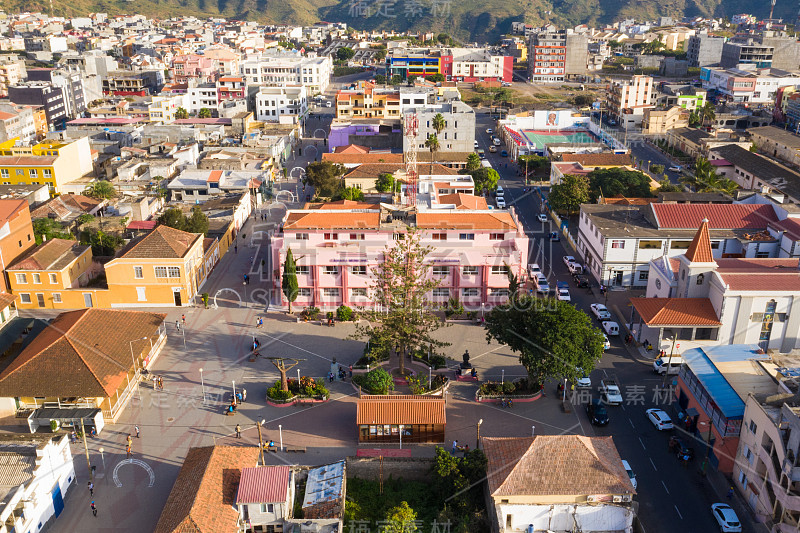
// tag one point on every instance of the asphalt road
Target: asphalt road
(671, 498)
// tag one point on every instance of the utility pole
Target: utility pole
(86, 449)
(260, 442)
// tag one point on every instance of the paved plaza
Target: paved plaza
(190, 410)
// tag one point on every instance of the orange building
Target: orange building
(16, 234)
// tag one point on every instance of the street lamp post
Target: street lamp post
(401, 436)
(704, 466)
(280, 435)
(245, 293)
(502, 376)
(298, 377)
(260, 441)
(203, 385)
(533, 431)
(478, 437)
(234, 390)
(102, 458)
(669, 360)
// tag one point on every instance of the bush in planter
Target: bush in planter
(472, 315)
(205, 299)
(276, 393)
(54, 425)
(310, 313)
(344, 314)
(454, 308)
(377, 381)
(509, 387)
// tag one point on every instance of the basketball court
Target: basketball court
(539, 139)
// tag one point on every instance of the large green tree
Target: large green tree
(181, 113)
(707, 113)
(344, 53)
(387, 183)
(102, 243)
(567, 196)
(552, 338)
(402, 316)
(350, 193)
(485, 179)
(325, 177)
(610, 182)
(197, 222)
(204, 113)
(289, 280)
(473, 162)
(401, 519)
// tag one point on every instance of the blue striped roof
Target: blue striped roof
(702, 363)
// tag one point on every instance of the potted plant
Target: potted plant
(54, 425)
(205, 299)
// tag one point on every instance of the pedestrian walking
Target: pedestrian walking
(136, 429)
(455, 446)
(183, 320)
(178, 325)
(730, 493)
(238, 431)
(94, 509)
(128, 451)
(129, 440)
(91, 488)
(235, 248)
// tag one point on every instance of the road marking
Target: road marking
(654, 465)
(622, 407)
(642, 443)
(665, 488)
(605, 374)
(677, 511)
(631, 421)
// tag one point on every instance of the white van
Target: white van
(667, 365)
(499, 192)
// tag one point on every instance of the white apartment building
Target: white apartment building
(628, 101)
(287, 105)
(38, 473)
(203, 95)
(617, 243)
(314, 73)
(163, 108)
(17, 121)
(758, 86)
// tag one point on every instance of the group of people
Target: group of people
(158, 383)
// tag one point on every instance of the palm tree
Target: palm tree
(438, 123)
(706, 179)
(708, 112)
(432, 144)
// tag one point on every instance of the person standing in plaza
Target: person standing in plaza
(178, 325)
(94, 509)
(129, 440)
(235, 248)
(128, 452)
(183, 320)
(455, 446)
(136, 429)
(91, 488)
(238, 431)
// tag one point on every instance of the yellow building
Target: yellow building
(163, 108)
(53, 163)
(52, 276)
(163, 268)
(368, 103)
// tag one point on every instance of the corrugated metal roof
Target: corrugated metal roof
(263, 484)
(400, 409)
(324, 484)
(720, 216)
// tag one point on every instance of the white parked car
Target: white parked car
(575, 268)
(611, 328)
(534, 270)
(476, 145)
(489, 131)
(674, 168)
(496, 141)
(563, 295)
(659, 418)
(584, 383)
(606, 342)
(568, 259)
(726, 518)
(500, 201)
(541, 217)
(600, 311)
(631, 475)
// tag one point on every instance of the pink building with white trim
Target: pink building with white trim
(337, 245)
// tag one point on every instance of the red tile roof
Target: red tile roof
(700, 249)
(10, 208)
(264, 484)
(400, 409)
(203, 497)
(352, 158)
(342, 204)
(350, 149)
(676, 311)
(141, 224)
(214, 176)
(161, 243)
(55, 254)
(464, 201)
(325, 219)
(720, 216)
(83, 353)
(465, 220)
(554, 466)
(773, 275)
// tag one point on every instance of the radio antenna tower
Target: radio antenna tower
(410, 131)
(771, 9)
